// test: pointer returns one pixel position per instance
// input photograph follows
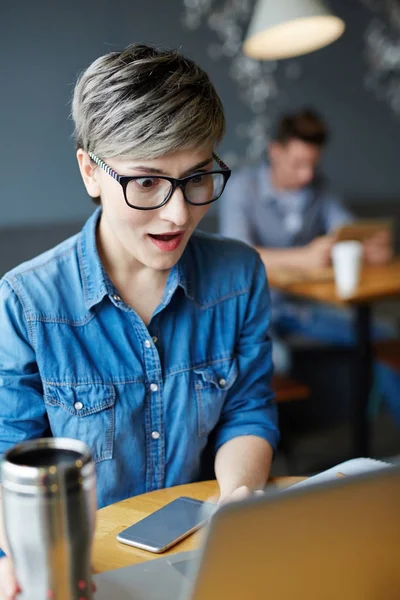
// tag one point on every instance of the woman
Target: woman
(139, 337)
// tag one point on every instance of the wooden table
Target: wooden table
(109, 554)
(377, 283)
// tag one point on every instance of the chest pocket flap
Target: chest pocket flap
(212, 384)
(85, 412)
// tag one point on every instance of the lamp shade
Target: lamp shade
(287, 28)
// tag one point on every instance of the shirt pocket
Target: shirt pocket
(84, 412)
(212, 384)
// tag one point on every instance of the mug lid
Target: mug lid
(46, 465)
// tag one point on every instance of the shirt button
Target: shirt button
(154, 387)
(117, 298)
(78, 405)
(147, 344)
(155, 435)
(222, 382)
(155, 339)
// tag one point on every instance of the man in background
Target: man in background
(284, 209)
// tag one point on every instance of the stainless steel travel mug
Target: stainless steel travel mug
(49, 508)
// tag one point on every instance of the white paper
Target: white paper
(348, 468)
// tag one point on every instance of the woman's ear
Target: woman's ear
(89, 173)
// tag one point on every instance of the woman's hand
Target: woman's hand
(241, 493)
(8, 584)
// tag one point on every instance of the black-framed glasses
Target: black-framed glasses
(148, 192)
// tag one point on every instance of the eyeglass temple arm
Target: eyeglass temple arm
(104, 166)
(115, 175)
(220, 162)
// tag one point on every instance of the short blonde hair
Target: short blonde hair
(143, 103)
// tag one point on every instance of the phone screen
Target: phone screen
(167, 525)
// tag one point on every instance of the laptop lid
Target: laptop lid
(332, 540)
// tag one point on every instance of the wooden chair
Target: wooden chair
(288, 390)
(389, 353)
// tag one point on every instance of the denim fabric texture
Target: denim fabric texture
(77, 362)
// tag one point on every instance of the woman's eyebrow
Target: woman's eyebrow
(153, 170)
(200, 165)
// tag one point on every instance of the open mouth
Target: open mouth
(167, 242)
(166, 237)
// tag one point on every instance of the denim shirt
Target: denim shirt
(77, 362)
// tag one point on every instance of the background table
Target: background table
(377, 283)
(109, 554)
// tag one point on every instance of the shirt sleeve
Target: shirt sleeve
(22, 410)
(234, 210)
(249, 408)
(334, 213)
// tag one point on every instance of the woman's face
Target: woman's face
(156, 238)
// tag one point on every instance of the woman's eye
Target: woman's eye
(147, 182)
(198, 178)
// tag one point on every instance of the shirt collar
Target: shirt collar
(180, 276)
(95, 281)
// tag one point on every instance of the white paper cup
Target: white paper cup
(347, 260)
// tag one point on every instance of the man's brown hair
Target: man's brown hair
(305, 125)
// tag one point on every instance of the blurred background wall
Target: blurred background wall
(45, 44)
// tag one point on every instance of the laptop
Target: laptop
(330, 540)
(364, 229)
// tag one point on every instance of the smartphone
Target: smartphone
(168, 525)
